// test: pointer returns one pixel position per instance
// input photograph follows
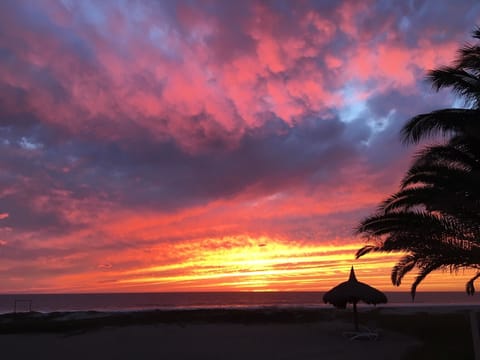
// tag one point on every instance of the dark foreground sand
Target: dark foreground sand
(430, 333)
(206, 341)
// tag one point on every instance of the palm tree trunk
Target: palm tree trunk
(475, 334)
(355, 316)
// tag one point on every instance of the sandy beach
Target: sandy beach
(224, 338)
(215, 341)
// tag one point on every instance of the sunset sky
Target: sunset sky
(209, 145)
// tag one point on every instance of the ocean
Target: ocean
(192, 300)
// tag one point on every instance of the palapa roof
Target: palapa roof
(353, 291)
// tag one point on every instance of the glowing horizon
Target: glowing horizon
(247, 265)
(209, 146)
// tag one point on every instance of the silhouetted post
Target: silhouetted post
(16, 301)
(475, 335)
(355, 316)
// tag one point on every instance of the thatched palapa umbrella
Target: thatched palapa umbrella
(353, 291)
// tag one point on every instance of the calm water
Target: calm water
(144, 301)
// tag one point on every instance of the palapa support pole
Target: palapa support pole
(355, 315)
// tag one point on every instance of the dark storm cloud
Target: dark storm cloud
(144, 173)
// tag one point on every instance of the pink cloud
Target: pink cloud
(173, 86)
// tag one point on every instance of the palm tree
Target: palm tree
(434, 219)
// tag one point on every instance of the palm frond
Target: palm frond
(476, 32)
(470, 286)
(365, 250)
(440, 122)
(440, 176)
(465, 84)
(469, 58)
(422, 274)
(407, 199)
(419, 222)
(456, 155)
(402, 267)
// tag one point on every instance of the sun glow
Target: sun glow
(245, 263)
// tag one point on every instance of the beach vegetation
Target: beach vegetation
(434, 217)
